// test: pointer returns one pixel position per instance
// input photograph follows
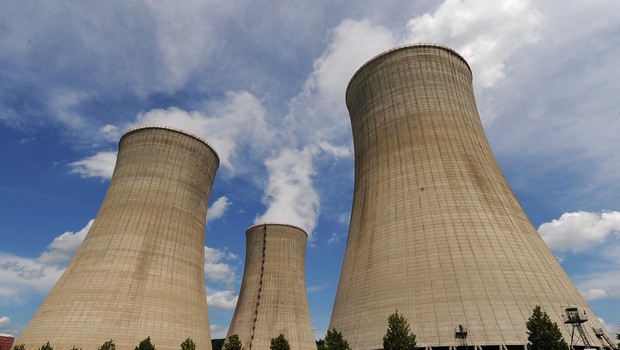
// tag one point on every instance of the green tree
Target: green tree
(19, 347)
(542, 333)
(108, 345)
(47, 346)
(618, 337)
(280, 343)
(145, 344)
(233, 343)
(398, 336)
(188, 344)
(335, 341)
(320, 344)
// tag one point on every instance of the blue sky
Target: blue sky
(263, 82)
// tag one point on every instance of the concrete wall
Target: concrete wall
(436, 231)
(273, 299)
(140, 269)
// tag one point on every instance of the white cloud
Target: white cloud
(229, 125)
(184, 38)
(217, 265)
(289, 194)
(579, 230)
(335, 151)
(318, 114)
(110, 132)
(594, 293)
(312, 289)
(609, 327)
(599, 282)
(218, 208)
(593, 238)
(486, 33)
(223, 299)
(218, 331)
(100, 165)
(334, 238)
(63, 248)
(7, 327)
(20, 276)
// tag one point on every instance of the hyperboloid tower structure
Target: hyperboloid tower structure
(140, 269)
(273, 299)
(436, 232)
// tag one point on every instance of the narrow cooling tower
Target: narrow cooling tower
(140, 269)
(436, 232)
(273, 299)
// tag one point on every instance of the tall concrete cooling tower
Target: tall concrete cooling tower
(436, 232)
(140, 269)
(273, 299)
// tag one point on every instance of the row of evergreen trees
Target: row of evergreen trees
(543, 334)
(187, 344)
(397, 337)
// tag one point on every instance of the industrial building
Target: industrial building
(272, 299)
(140, 269)
(6, 341)
(436, 232)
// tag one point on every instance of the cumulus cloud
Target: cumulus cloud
(486, 33)
(594, 293)
(579, 230)
(609, 327)
(218, 331)
(232, 124)
(218, 208)
(218, 267)
(63, 248)
(6, 326)
(223, 299)
(289, 193)
(184, 39)
(110, 132)
(599, 283)
(335, 151)
(100, 165)
(580, 234)
(318, 114)
(21, 275)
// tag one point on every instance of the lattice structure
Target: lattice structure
(140, 269)
(435, 231)
(273, 299)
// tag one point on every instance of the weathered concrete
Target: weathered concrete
(273, 299)
(140, 269)
(436, 232)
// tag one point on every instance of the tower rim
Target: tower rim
(270, 223)
(180, 131)
(406, 47)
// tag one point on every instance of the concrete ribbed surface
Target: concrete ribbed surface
(272, 299)
(140, 269)
(436, 231)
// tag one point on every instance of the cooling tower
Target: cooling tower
(273, 299)
(140, 269)
(436, 232)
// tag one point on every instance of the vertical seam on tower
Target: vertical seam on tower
(260, 285)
